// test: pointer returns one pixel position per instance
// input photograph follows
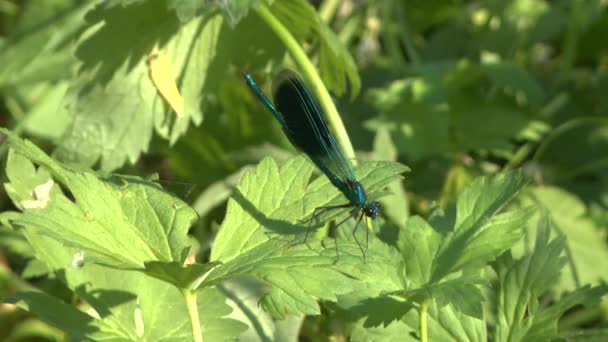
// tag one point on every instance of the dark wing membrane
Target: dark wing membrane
(306, 128)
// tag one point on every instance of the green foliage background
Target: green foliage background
(495, 230)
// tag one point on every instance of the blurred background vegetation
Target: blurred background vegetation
(452, 88)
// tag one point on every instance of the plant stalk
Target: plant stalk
(190, 297)
(424, 307)
(313, 78)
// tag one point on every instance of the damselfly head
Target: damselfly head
(372, 209)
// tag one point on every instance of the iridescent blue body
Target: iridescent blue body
(302, 120)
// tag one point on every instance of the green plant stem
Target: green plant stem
(424, 308)
(328, 10)
(518, 158)
(388, 36)
(406, 35)
(190, 297)
(311, 75)
(571, 39)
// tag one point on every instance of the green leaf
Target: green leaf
(546, 323)
(268, 200)
(144, 308)
(245, 293)
(187, 9)
(236, 10)
(119, 221)
(63, 316)
(522, 282)
(414, 110)
(479, 234)
(216, 323)
(14, 243)
(264, 205)
(449, 324)
(419, 243)
(503, 122)
(585, 335)
(41, 51)
(584, 237)
(445, 324)
(396, 332)
(379, 282)
(298, 16)
(47, 118)
(217, 193)
(115, 104)
(114, 101)
(396, 205)
(462, 293)
(300, 274)
(517, 79)
(423, 273)
(183, 277)
(336, 65)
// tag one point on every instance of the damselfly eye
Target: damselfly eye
(372, 210)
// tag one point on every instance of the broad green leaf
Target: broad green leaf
(485, 197)
(381, 279)
(337, 67)
(182, 277)
(264, 205)
(298, 16)
(271, 199)
(130, 306)
(63, 316)
(584, 238)
(484, 243)
(115, 103)
(259, 205)
(42, 51)
(217, 193)
(522, 282)
(119, 221)
(414, 110)
(444, 324)
(502, 122)
(396, 205)
(186, 9)
(480, 235)
(300, 275)
(418, 243)
(13, 243)
(47, 117)
(435, 257)
(585, 335)
(517, 79)
(395, 332)
(462, 293)
(236, 10)
(243, 295)
(546, 323)
(448, 324)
